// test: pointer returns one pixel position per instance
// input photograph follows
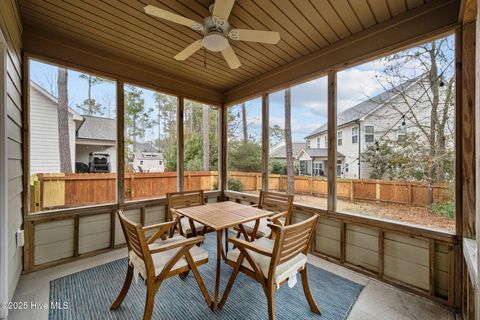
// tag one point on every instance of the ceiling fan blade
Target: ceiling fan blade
(173, 17)
(271, 37)
(222, 8)
(231, 58)
(188, 51)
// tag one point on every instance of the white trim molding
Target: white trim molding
(3, 177)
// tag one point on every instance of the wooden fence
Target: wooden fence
(400, 192)
(50, 191)
(54, 191)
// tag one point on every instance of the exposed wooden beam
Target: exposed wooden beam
(56, 49)
(434, 17)
(468, 11)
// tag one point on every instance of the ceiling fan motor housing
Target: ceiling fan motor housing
(215, 32)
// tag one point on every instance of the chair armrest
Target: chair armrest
(250, 246)
(277, 216)
(178, 244)
(162, 229)
(254, 205)
(159, 225)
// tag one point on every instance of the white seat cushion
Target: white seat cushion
(263, 229)
(162, 258)
(186, 225)
(282, 271)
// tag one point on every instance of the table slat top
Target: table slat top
(223, 215)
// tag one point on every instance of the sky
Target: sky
(309, 99)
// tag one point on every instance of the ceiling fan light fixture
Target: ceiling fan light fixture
(215, 42)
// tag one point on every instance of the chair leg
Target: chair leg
(308, 293)
(126, 285)
(229, 286)
(151, 291)
(271, 302)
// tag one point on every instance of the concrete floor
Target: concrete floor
(377, 300)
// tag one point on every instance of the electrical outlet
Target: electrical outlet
(20, 238)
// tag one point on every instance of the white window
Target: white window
(318, 142)
(308, 144)
(339, 138)
(354, 135)
(318, 169)
(141, 162)
(325, 139)
(369, 134)
(160, 162)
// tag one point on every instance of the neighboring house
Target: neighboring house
(362, 125)
(96, 134)
(278, 152)
(148, 162)
(314, 162)
(86, 134)
(44, 149)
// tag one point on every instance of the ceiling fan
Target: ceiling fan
(216, 31)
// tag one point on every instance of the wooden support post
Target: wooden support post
(112, 229)
(76, 235)
(222, 179)
(29, 248)
(381, 253)
(431, 266)
(468, 128)
(180, 146)
(332, 141)
(265, 141)
(26, 138)
(343, 242)
(142, 215)
(120, 143)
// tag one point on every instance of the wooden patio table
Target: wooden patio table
(221, 216)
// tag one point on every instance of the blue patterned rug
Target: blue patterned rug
(90, 293)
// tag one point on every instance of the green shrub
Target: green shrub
(235, 185)
(444, 209)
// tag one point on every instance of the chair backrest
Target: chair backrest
(292, 240)
(179, 200)
(276, 202)
(136, 241)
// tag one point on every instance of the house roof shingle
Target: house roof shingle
(279, 151)
(97, 128)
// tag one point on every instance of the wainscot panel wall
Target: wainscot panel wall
(66, 235)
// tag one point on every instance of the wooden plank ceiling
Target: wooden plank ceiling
(121, 28)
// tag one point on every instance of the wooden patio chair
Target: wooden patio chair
(179, 200)
(272, 261)
(159, 258)
(279, 203)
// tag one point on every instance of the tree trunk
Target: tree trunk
(244, 123)
(288, 142)
(206, 137)
(63, 130)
